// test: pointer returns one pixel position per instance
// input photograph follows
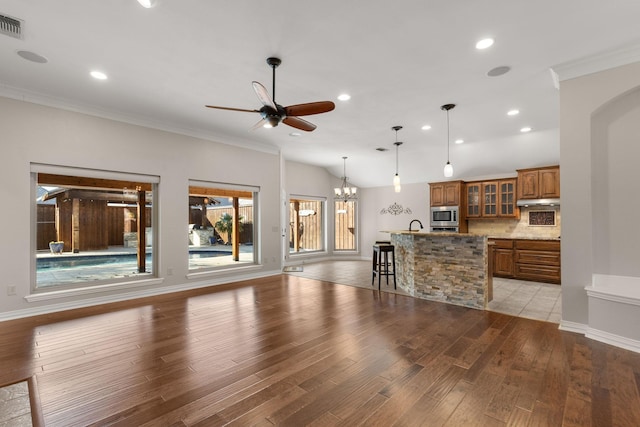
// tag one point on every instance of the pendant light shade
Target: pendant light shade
(396, 178)
(448, 168)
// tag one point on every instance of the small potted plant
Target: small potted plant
(56, 247)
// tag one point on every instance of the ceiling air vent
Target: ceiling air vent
(11, 26)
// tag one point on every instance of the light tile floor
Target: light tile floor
(15, 409)
(532, 300)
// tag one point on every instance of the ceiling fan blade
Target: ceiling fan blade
(258, 125)
(310, 108)
(232, 109)
(264, 96)
(298, 123)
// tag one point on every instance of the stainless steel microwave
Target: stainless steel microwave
(444, 216)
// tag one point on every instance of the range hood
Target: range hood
(538, 202)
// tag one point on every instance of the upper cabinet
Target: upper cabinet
(539, 183)
(491, 199)
(446, 193)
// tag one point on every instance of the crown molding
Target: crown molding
(622, 55)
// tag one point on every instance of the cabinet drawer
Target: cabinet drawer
(538, 273)
(539, 245)
(539, 258)
(502, 243)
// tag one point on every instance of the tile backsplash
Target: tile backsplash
(517, 228)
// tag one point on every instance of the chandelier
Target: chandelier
(345, 192)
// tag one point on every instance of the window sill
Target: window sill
(89, 290)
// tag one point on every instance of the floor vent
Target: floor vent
(11, 26)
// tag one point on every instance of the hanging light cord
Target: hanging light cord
(397, 145)
(448, 136)
(344, 169)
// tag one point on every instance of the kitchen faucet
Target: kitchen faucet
(415, 220)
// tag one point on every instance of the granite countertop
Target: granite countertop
(552, 239)
(439, 233)
(448, 234)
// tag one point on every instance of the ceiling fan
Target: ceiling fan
(272, 113)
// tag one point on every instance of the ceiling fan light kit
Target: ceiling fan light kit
(273, 113)
(448, 168)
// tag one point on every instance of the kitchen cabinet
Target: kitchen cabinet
(537, 260)
(534, 260)
(492, 199)
(539, 183)
(473, 199)
(503, 258)
(507, 198)
(446, 193)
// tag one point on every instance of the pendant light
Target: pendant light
(396, 178)
(345, 192)
(448, 168)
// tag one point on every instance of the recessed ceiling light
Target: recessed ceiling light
(513, 112)
(459, 141)
(32, 56)
(344, 97)
(295, 134)
(498, 71)
(98, 75)
(525, 129)
(147, 4)
(426, 127)
(484, 43)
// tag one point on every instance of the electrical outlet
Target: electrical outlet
(11, 290)
(169, 271)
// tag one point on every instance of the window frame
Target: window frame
(356, 223)
(91, 286)
(228, 188)
(323, 224)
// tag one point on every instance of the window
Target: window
(306, 225)
(345, 236)
(92, 227)
(221, 225)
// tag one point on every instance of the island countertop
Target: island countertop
(445, 267)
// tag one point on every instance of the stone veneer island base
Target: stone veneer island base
(444, 267)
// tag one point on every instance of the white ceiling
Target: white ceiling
(400, 61)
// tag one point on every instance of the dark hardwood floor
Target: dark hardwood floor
(292, 351)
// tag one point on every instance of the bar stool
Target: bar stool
(381, 265)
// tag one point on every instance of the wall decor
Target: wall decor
(542, 218)
(395, 209)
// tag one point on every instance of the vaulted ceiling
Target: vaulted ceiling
(400, 61)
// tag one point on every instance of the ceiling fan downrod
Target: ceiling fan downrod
(273, 63)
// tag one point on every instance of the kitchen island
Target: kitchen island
(445, 267)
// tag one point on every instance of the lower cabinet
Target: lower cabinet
(535, 260)
(503, 258)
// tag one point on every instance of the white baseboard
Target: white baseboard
(579, 328)
(615, 340)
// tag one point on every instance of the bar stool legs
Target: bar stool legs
(382, 265)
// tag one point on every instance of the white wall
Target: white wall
(378, 204)
(599, 151)
(34, 133)
(616, 147)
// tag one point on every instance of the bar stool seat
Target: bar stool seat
(382, 265)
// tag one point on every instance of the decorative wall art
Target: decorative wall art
(395, 209)
(542, 218)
